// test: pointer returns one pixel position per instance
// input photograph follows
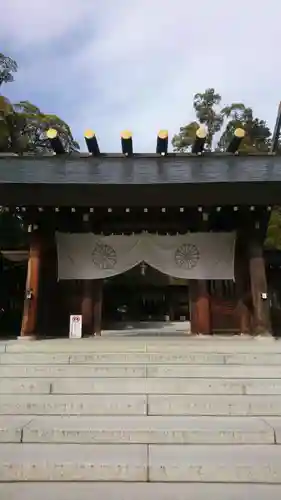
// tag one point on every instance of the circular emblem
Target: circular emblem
(104, 256)
(187, 256)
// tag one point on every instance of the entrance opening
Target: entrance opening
(12, 289)
(144, 295)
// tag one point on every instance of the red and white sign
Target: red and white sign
(75, 326)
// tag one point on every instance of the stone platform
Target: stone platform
(125, 417)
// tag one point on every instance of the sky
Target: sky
(111, 65)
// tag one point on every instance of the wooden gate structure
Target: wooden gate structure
(125, 193)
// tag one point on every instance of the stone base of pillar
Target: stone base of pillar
(26, 337)
(262, 334)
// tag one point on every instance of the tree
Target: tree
(32, 126)
(236, 115)
(7, 67)
(205, 105)
(273, 238)
(183, 141)
(23, 128)
(13, 231)
(257, 137)
(23, 125)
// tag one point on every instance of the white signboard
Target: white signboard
(75, 326)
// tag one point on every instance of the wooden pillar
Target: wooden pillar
(31, 299)
(87, 307)
(261, 310)
(200, 307)
(98, 285)
(242, 281)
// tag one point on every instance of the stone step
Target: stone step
(127, 385)
(138, 491)
(140, 404)
(154, 386)
(25, 386)
(52, 404)
(72, 462)
(158, 344)
(217, 463)
(155, 463)
(142, 358)
(144, 430)
(75, 371)
(11, 428)
(173, 357)
(212, 371)
(275, 424)
(252, 405)
(139, 371)
(34, 358)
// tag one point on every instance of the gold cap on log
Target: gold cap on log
(240, 133)
(163, 134)
(89, 134)
(126, 134)
(52, 133)
(201, 132)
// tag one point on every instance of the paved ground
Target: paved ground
(123, 417)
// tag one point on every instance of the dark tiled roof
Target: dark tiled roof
(140, 169)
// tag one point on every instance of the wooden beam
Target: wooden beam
(87, 307)
(261, 309)
(200, 307)
(30, 311)
(98, 289)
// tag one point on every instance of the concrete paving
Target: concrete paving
(178, 417)
(121, 343)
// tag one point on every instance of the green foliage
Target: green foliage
(23, 125)
(207, 113)
(182, 141)
(23, 129)
(236, 115)
(206, 110)
(13, 233)
(273, 239)
(257, 138)
(7, 67)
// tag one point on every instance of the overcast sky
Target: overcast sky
(111, 65)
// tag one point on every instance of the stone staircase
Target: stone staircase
(134, 417)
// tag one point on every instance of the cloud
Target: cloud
(113, 65)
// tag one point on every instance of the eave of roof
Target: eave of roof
(139, 169)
